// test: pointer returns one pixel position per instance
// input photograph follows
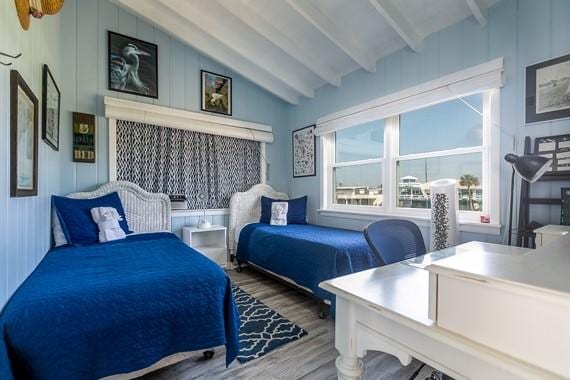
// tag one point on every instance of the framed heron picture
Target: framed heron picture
(23, 138)
(133, 65)
(216, 93)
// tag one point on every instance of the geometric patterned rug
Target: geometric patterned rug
(261, 328)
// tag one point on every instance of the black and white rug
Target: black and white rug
(261, 328)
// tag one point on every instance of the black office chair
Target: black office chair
(395, 240)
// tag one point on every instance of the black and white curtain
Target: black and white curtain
(175, 161)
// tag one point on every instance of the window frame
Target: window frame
(490, 151)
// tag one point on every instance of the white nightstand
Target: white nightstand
(210, 242)
(548, 233)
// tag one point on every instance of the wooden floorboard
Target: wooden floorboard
(309, 358)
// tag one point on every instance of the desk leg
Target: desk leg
(348, 364)
(349, 368)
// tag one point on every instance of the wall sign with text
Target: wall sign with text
(83, 138)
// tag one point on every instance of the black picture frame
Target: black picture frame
(20, 130)
(141, 59)
(551, 94)
(205, 102)
(49, 115)
(310, 157)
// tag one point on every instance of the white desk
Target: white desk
(386, 309)
(549, 233)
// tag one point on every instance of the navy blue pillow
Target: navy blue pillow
(296, 213)
(75, 217)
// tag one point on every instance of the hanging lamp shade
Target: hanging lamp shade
(36, 8)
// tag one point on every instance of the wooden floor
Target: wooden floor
(311, 357)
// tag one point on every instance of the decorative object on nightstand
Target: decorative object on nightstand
(530, 168)
(178, 202)
(209, 242)
(549, 233)
(203, 224)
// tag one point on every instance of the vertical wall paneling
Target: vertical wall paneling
(23, 218)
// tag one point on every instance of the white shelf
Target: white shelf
(209, 242)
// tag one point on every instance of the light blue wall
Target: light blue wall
(84, 60)
(522, 31)
(24, 222)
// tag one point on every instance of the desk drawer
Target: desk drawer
(529, 325)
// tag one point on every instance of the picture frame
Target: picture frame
(84, 138)
(132, 65)
(547, 94)
(304, 147)
(51, 105)
(23, 138)
(216, 93)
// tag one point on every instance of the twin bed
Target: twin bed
(303, 255)
(127, 307)
(96, 310)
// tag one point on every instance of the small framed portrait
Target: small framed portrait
(23, 138)
(51, 100)
(216, 93)
(132, 66)
(548, 90)
(304, 148)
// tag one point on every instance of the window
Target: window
(357, 168)
(385, 166)
(429, 142)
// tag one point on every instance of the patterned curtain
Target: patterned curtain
(175, 161)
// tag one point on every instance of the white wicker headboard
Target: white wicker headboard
(145, 212)
(245, 207)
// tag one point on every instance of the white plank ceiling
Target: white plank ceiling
(292, 47)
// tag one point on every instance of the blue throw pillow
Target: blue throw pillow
(75, 217)
(296, 214)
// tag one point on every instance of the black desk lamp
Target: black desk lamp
(530, 168)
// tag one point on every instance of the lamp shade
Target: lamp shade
(530, 168)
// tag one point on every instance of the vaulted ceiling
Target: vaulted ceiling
(292, 47)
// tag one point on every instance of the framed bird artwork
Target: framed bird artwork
(133, 65)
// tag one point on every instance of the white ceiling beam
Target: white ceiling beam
(200, 13)
(250, 16)
(179, 27)
(477, 11)
(341, 38)
(398, 22)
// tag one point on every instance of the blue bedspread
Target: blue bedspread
(103, 309)
(307, 254)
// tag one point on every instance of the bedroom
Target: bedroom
(227, 96)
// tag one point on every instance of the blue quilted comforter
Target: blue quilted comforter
(103, 309)
(307, 254)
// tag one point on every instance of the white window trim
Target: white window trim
(469, 221)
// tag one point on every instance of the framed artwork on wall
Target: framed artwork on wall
(132, 66)
(216, 93)
(83, 138)
(548, 90)
(23, 138)
(304, 152)
(51, 100)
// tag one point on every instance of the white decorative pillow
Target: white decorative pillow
(279, 213)
(107, 219)
(58, 235)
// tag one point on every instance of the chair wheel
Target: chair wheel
(209, 354)
(238, 269)
(322, 315)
